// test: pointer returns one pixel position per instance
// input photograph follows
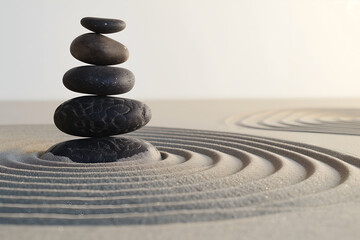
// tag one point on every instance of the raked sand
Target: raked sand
(253, 174)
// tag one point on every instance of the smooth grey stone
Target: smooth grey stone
(97, 49)
(103, 25)
(108, 149)
(100, 80)
(98, 116)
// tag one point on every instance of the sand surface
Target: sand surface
(250, 171)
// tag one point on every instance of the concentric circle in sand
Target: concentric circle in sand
(202, 176)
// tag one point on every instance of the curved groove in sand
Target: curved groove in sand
(332, 121)
(203, 176)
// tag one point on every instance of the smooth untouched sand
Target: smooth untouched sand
(210, 185)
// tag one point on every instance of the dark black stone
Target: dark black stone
(100, 80)
(97, 49)
(97, 116)
(103, 25)
(108, 149)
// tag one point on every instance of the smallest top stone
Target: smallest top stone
(103, 25)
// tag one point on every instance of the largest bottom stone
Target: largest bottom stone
(108, 149)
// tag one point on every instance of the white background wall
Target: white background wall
(190, 48)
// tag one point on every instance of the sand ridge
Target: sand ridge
(203, 176)
(345, 121)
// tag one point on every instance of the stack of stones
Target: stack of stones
(99, 116)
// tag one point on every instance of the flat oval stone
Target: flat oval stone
(98, 116)
(99, 80)
(101, 150)
(97, 49)
(103, 25)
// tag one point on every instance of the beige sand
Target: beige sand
(222, 185)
